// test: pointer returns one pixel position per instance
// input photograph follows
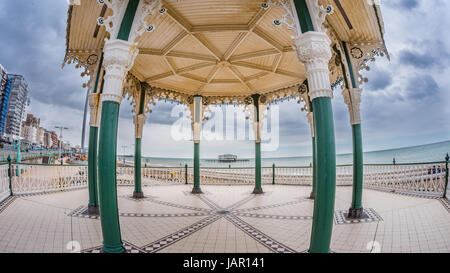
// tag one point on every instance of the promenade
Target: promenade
(224, 219)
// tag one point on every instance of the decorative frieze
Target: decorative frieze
(363, 53)
(145, 8)
(352, 97)
(290, 19)
(318, 14)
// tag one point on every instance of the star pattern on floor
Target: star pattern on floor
(231, 213)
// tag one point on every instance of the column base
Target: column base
(120, 249)
(355, 213)
(138, 195)
(196, 191)
(258, 191)
(92, 210)
(311, 195)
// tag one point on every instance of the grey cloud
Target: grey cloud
(403, 4)
(422, 87)
(379, 80)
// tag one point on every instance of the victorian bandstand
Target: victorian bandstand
(211, 52)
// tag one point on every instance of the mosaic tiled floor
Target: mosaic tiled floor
(228, 219)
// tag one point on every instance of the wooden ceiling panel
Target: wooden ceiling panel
(290, 62)
(273, 82)
(220, 47)
(215, 12)
(191, 45)
(149, 66)
(250, 45)
(165, 31)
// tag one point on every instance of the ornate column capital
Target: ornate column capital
(313, 50)
(139, 122)
(118, 58)
(352, 97)
(94, 99)
(196, 108)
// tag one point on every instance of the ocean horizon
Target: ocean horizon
(434, 152)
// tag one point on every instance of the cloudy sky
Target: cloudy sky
(405, 103)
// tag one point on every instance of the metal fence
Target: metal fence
(425, 178)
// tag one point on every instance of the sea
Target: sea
(435, 152)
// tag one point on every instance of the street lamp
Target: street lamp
(123, 153)
(61, 128)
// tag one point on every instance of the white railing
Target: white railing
(36, 178)
(428, 178)
(425, 178)
(150, 176)
(4, 182)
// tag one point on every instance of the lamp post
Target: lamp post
(123, 153)
(61, 128)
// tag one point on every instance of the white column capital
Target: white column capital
(352, 97)
(139, 122)
(196, 108)
(94, 99)
(313, 50)
(118, 58)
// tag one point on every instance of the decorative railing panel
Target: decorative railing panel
(149, 176)
(426, 178)
(4, 182)
(34, 178)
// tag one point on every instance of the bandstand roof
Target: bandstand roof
(220, 48)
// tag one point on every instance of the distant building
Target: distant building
(18, 101)
(48, 139)
(55, 140)
(28, 134)
(227, 158)
(40, 136)
(31, 130)
(5, 91)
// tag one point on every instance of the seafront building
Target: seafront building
(31, 130)
(5, 91)
(18, 102)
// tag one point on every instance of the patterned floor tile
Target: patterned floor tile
(369, 215)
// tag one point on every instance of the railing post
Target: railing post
(273, 174)
(186, 174)
(10, 175)
(446, 176)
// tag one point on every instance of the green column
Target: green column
(258, 188)
(314, 169)
(196, 188)
(356, 209)
(325, 176)
(93, 207)
(18, 158)
(107, 152)
(138, 193)
(186, 174)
